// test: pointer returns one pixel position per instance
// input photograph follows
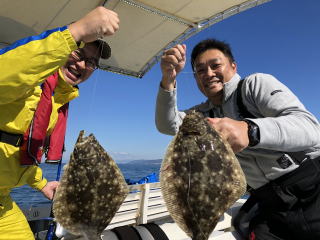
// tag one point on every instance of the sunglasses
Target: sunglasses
(91, 63)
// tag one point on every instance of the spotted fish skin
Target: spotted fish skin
(200, 177)
(91, 190)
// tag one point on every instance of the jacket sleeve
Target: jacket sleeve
(35, 178)
(27, 62)
(167, 117)
(284, 122)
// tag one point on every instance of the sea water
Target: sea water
(25, 195)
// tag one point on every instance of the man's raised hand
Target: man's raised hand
(173, 61)
(98, 23)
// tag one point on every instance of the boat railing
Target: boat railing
(144, 204)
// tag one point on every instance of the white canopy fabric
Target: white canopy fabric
(147, 27)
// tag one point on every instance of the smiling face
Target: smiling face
(80, 64)
(213, 69)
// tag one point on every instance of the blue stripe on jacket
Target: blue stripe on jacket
(32, 38)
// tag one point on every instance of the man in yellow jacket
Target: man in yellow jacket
(24, 65)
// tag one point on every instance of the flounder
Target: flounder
(200, 177)
(91, 190)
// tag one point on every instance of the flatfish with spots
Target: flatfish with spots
(91, 190)
(200, 177)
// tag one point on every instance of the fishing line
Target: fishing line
(185, 72)
(93, 93)
(187, 75)
(98, 74)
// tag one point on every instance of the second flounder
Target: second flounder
(200, 177)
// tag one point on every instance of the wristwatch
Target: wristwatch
(253, 133)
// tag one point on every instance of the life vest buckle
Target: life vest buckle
(11, 138)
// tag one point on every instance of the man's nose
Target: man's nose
(81, 64)
(210, 72)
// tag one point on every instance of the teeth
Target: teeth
(73, 71)
(212, 83)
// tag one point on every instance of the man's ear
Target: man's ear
(234, 66)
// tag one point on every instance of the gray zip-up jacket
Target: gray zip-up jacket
(285, 125)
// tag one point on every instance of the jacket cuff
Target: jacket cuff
(266, 126)
(70, 40)
(39, 185)
(167, 97)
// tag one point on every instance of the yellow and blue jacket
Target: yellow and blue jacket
(24, 66)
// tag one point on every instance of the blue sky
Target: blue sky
(281, 37)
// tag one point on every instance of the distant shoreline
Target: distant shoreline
(155, 161)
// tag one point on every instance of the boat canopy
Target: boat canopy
(147, 27)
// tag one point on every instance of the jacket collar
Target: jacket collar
(230, 87)
(64, 92)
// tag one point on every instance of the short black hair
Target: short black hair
(211, 43)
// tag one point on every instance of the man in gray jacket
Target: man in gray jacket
(276, 140)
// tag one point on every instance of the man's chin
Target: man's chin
(214, 88)
(72, 82)
(214, 91)
(69, 78)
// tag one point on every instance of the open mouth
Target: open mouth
(73, 74)
(212, 83)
